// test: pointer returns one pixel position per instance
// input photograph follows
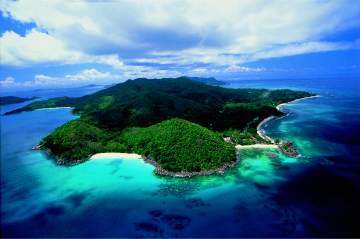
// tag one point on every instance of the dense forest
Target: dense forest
(108, 117)
(144, 102)
(176, 144)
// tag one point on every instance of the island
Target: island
(7, 100)
(182, 126)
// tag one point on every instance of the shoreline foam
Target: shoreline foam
(261, 132)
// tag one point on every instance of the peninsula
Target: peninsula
(177, 124)
(7, 100)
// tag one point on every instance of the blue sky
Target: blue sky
(73, 43)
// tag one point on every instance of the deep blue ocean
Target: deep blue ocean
(315, 195)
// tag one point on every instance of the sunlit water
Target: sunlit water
(266, 194)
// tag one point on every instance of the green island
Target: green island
(183, 126)
(7, 100)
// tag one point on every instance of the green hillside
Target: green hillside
(178, 122)
(143, 102)
(176, 145)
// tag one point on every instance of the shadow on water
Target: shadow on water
(160, 224)
(328, 200)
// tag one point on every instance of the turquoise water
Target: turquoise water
(266, 194)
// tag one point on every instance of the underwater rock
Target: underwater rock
(177, 222)
(155, 213)
(194, 202)
(147, 226)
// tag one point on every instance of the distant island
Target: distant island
(7, 100)
(182, 126)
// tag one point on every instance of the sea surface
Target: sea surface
(266, 195)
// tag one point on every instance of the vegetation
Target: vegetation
(144, 102)
(151, 117)
(247, 137)
(179, 145)
(7, 100)
(76, 140)
(176, 144)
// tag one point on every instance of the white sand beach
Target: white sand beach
(55, 108)
(261, 132)
(115, 155)
(274, 146)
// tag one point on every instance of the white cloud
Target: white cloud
(111, 60)
(173, 32)
(33, 48)
(236, 68)
(301, 48)
(88, 76)
(83, 77)
(8, 81)
(232, 56)
(38, 47)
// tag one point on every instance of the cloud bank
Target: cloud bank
(183, 36)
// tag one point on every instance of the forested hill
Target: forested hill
(144, 102)
(177, 122)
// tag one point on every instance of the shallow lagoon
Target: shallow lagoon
(265, 195)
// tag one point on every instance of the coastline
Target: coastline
(183, 174)
(158, 169)
(261, 132)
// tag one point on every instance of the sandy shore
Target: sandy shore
(55, 108)
(261, 132)
(115, 155)
(274, 146)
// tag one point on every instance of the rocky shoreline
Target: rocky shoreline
(57, 160)
(163, 172)
(288, 148)
(158, 169)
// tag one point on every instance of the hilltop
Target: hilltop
(177, 122)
